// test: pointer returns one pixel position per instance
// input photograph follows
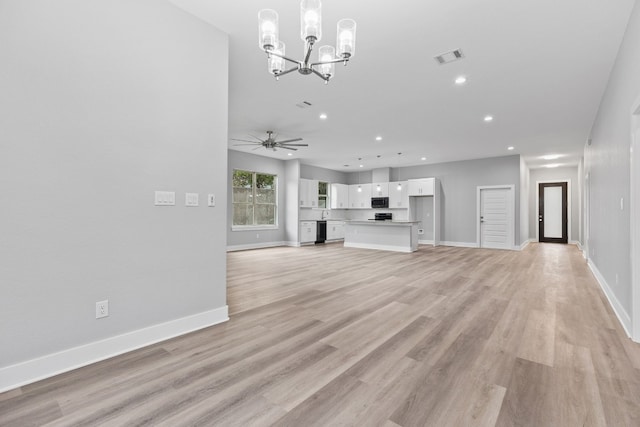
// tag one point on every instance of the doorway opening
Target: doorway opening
(556, 211)
(552, 212)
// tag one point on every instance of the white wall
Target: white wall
(607, 163)
(102, 103)
(555, 174)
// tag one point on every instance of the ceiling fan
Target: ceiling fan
(271, 143)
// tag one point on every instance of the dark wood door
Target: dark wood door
(552, 212)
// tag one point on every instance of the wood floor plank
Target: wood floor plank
(327, 335)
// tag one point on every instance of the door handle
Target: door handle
(539, 218)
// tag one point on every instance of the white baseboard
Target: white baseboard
(259, 245)
(292, 244)
(524, 244)
(425, 242)
(618, 309)
(460, 244)
(376, 247)
(56, 363)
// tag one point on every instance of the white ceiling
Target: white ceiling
(539, 67)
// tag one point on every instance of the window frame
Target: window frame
(254, 189)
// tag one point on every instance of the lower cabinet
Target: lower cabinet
(335, 230)
(307, 231)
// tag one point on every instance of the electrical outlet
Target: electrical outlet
(211, 200)
(257, 236)
(420, 230)
(102, 309)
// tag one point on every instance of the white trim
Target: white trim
(425, 242)
(254, 227)
(634, 193)
(460, 244)
(512, 214)
(525, 244)
(260, 245)
(292, 244)
(377, 247)
(618, 309)
(537, 211)
(56, 363)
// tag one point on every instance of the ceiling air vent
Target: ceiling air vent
(445, 58)
(303, 104)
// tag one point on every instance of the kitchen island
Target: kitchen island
(398, 236)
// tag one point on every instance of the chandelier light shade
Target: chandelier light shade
(326, 54)
(276, 63)
(311, 33)
(311, 20)
(346, 38)
(267, 29)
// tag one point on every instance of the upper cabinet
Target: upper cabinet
(339, 196)
(399, 194)
(380, 189)
(421, 187)
(360, 196)
(308, 191)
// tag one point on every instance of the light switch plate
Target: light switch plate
(211, 200)
(165, 198)
(191, 199)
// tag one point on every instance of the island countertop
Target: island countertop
(400, 236)
(379, 222)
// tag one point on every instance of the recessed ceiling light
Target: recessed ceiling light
(378, 138)
(460, 80)
(553, 165)
(488, 118)
(551, 157)
(361, 166)
(423, 158)
(289, 154)
(511, 148)
(323, 116)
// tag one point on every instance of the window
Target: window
(323, 194)
(254, 199)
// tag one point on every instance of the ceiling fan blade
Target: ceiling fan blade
(286, 148)
(256, 148)
(295, 145)
(244, 140)
(289, 140)
(244, 145)
(255, 137)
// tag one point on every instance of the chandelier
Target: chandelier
(311, 33)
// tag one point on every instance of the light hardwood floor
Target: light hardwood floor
(327, 336)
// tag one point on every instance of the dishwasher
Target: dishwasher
(321, 231)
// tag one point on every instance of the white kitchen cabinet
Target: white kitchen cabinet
(335, 230)
(360, 199)
(339, 196)
(399, 195)
(308, 193)
(307, 231)
(380, 189)
(421, 187)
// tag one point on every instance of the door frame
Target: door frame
(511, 212)
(550, 181)
(634, 193)
(564, 212)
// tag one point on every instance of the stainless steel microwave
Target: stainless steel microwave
(379, 202)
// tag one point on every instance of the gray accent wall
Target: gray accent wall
(322, 174)
(608, 168)
(459, 182)
(555, 174)
(255, 163)
(102, 104)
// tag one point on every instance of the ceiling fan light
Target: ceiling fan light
(267, 29)
(311, 20)
(325, 54)
(275, 64)
(346, 38)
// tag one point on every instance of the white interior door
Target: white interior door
(496, 218)
(553, 212)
